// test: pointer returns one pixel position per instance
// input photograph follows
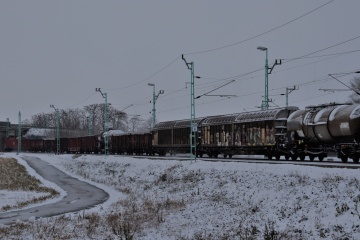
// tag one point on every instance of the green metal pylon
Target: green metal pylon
(193, 127)
(192, 117)
(57, 131)
(106, 126)
(90, 124)
(7, 127)
(106, 139)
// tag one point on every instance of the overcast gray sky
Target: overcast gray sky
(58, 52)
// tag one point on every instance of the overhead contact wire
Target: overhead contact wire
(258, 35)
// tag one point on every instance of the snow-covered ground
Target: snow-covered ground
(163, 199)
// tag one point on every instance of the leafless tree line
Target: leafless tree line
(89, 120)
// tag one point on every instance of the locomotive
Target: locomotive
(290, 132)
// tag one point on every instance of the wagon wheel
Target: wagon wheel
(302, 156)
(294, 157)
(356, 159)
(312, 157)
(321, 157)
(277, 156)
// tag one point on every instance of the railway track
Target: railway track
(329, 162)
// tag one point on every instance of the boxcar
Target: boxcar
(245, 133)
(173, 136)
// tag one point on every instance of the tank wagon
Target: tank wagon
(317, 129)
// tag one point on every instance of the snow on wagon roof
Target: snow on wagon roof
(176, 124)
(278, 113)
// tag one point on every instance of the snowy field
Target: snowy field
(163, 199)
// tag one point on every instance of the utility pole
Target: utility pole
(288, 91)
(19, 134)
(90, 124)
(193, 126)
(106, 139)
(265, 102)
(155, 97)
(57, 129)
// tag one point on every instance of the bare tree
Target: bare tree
(355, 85)
(74, 122)
(116, 118)
(137, 124)
(147, 124)
(41, 120)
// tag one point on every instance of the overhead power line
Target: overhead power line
(326, 55)
(258, 35)
(151, 76)
(335, 45)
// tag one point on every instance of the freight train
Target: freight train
(288, 132)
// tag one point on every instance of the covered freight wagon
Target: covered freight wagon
(173, 136)
(245, 133)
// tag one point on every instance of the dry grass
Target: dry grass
(160, 200)
(14, 177)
